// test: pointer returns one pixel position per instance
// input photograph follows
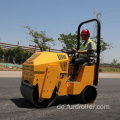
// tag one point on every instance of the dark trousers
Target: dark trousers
(78, 61)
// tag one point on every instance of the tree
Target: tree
(27, 54)
(1, 53)
(104, 45)
(40, 39)
(8, 55)
(70, 41)
(114, 62)
(18, 54)
(15, 55)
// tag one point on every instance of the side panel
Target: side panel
(62, 86)
(74, 88)
(85, 77)
(51, 79)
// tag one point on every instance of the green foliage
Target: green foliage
(100, 70)
(40, 39)
(118, 64)
(18, 54)
(104, 45)
(69, 41)
(8, 55)
(1, 53)
(114, 63)
(27, 54)
(110, 69)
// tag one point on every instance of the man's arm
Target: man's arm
(77, 51)
(83, 51)
(90, 47)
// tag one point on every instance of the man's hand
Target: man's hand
(73, 49)
(76, 54)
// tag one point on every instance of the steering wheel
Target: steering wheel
(69, 52)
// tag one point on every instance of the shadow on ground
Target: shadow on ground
(23, 103)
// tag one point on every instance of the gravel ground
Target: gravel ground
(14, 107)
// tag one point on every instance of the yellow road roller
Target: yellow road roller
(45, 75)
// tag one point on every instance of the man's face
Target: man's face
(84, 37)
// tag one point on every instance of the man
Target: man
(85, 46)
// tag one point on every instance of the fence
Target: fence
(32, 48)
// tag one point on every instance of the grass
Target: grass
(109, 69)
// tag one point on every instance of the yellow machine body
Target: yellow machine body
(49, 70)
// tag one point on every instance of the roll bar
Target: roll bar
(98, 45)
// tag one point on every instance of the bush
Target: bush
(100, 70)
(1, 53)
(27, 54)
(18, 54)
(15, 55)
(8, 55)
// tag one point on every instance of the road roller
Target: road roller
(45, 75)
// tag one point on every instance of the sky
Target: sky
(60, 17)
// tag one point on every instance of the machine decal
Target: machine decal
(61, 57)
(63, 66)
(34, 56)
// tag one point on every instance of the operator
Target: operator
(87, 45)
